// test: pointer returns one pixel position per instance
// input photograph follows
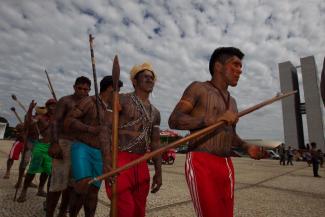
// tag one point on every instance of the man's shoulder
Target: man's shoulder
(198, 84)
(125, 98)
(155, 109)
(89, 100)
(65, 100)
(125, 95)
(196, 88)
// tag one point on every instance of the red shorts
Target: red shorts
(211, 184)
(132, 187)
(15, 150)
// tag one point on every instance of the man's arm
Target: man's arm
(61, 109)
(73, 122)
(254, 151)
(155, 144)
(60, 112)
(180, 118)
(105, 146)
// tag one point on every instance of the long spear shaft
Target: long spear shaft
(116, 77)
(92, 56)
(13, 96)
(23, 107)
(190, 137)
(17, 116)
(50, 85)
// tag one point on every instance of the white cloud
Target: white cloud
(176, 36)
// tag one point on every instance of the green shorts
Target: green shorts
(41, 161)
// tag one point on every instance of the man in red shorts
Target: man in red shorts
(208, 168)
(138, 134)
(15, 150)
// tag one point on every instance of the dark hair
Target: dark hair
(108, 81)
(313, 144)
(82, 80)
(222, 54)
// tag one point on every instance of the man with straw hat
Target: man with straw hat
(138, 134)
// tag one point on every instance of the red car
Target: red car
(169, 156)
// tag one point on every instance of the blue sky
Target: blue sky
(177, 37)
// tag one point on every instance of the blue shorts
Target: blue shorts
(86, 162)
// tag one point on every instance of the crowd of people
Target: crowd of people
(311, 155)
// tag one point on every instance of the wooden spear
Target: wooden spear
(190, 137)
(50, 85)
(115, 121)
(14, 111)
(92, 56)
(13, 96)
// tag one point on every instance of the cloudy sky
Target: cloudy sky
(176, 36)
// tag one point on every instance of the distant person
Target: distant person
(308, 146)
(282, 154)
(308, 157)
(314, 159)
(289, 156)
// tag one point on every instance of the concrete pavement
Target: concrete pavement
(263, 188)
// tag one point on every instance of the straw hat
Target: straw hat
(136, 69)
(41, 110)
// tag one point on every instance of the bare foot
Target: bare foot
(41, 193)
(63, 214)
(6, 176)
(32, 185)
(22, 197)
(17, 185)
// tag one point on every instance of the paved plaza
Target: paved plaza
(263, 188)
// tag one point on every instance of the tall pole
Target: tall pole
(50, 86)
(116, 88)
(15, 113)
(92, 56)
(13, 96)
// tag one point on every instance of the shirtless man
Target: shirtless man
(41, 162)
(60, 149)
(32, 137)
(90, 152)
(16, 149)
(138, 134)
(208, 168)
